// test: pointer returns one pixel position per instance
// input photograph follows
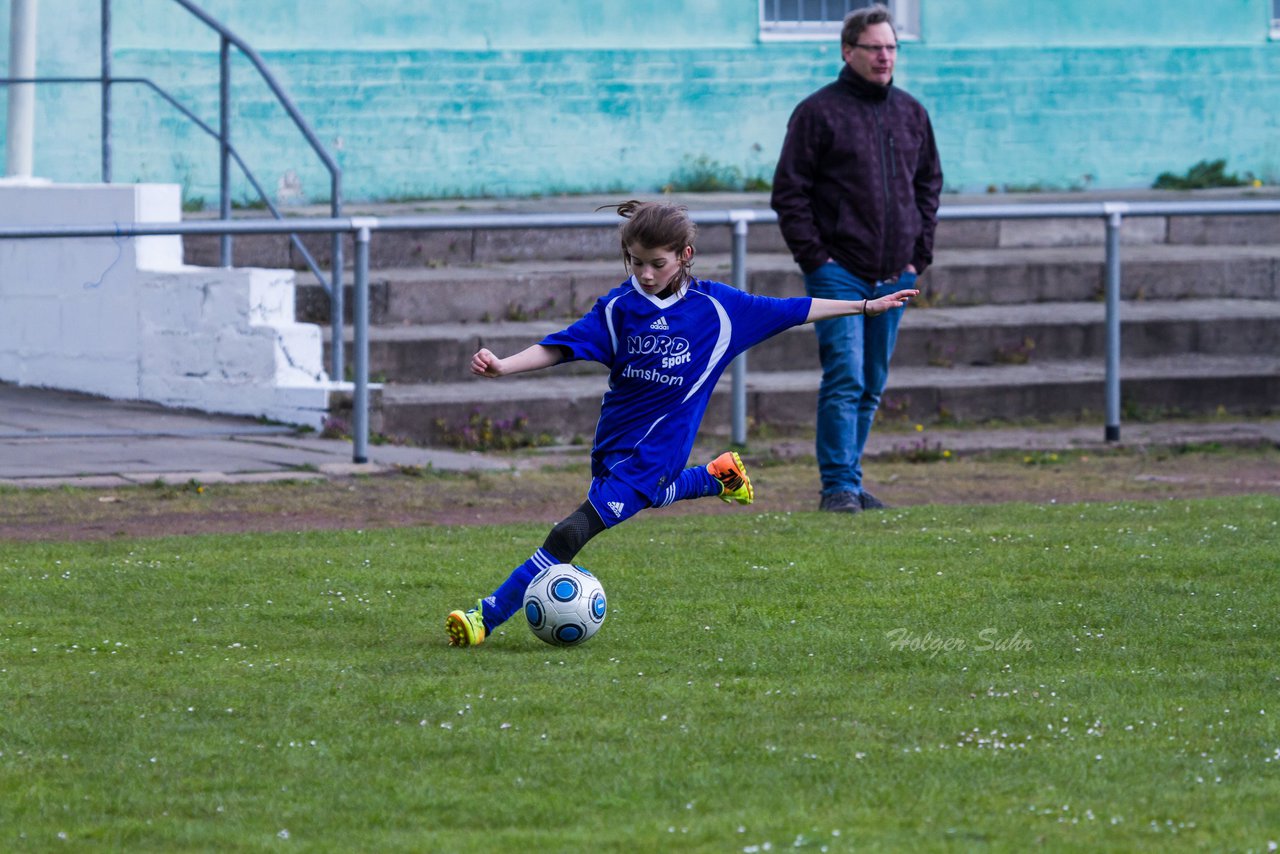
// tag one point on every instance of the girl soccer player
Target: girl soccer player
(666, 338)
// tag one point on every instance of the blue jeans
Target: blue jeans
(855, 354)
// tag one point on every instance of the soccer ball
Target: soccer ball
(564, 604)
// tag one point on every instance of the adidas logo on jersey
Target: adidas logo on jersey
(617, 507)
(660, 324)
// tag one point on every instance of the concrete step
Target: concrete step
(528, 290)
(471, 246)
(941, 337)
(1046, 332)
(1153, 272)
(566, 406)
(561, 290)
(1056, 274)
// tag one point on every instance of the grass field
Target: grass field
(1075, 677)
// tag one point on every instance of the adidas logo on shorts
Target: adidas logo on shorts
(660, 324)
(617, 507)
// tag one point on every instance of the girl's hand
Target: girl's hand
(485, 364)
(877, 307)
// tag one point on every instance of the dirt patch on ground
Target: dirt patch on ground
(544, 495)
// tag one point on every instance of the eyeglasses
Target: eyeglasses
(890, 49)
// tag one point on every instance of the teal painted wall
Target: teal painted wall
(452, 24)
(433, 98)
(1039, 23)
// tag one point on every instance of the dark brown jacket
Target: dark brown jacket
(858, 180)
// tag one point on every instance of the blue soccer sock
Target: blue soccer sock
(693, 482)
(509, 597)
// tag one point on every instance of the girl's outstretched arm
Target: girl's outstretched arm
(824, 309)
(537, 357)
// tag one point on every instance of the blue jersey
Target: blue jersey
(664, 358)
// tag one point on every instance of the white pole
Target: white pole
(22, 96)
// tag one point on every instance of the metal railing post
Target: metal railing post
(360, 348)
(106, 90)
(739, 366)
(224, 147)
(20, 133)
(337, 296)
(1115, 216)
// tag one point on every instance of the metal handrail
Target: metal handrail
(333, 284)
(200, 123)
(362, 229)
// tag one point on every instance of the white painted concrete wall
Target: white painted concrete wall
(126, 319)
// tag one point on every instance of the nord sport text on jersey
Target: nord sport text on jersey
(675, 351)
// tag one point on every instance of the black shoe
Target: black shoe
(869, 502)
(840, 502)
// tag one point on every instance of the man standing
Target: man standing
(856, 192)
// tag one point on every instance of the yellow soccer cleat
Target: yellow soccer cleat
(466, 628)
(732, 474)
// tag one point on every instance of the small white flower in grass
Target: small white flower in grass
(283, 834)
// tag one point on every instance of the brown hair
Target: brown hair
(655, 225)
(859, 19)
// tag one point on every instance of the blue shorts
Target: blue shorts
(615, 501)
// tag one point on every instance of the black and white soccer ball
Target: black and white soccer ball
(564, 605)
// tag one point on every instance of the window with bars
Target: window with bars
(812, 19)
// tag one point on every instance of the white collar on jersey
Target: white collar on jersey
(662, 303)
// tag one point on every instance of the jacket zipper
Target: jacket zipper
(886, 164)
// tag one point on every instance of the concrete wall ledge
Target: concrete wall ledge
(125, 318)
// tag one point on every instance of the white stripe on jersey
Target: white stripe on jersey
(608, 318)
(722, 342)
